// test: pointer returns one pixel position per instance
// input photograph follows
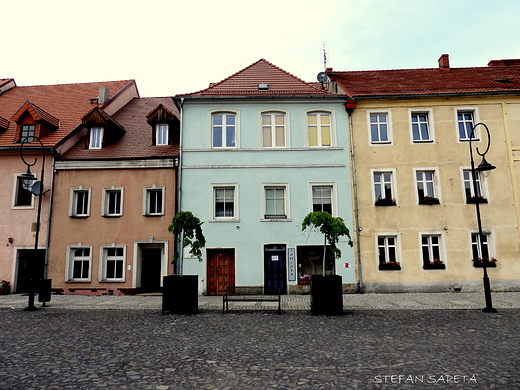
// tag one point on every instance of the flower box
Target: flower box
(476, 199)
(385, 202)
(435, 264)
(488, 263)
(429, 200)
(390, 266)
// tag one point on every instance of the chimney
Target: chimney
(510, 62)
(444, 62)
(103, 95)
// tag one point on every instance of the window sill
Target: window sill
(78, 281)
(112, 216)
(429, 141)
(276, 220)
(112, 281)
(79, 216)
(224, 220)
(153, 215)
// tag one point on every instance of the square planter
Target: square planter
(480, 264)
(180, 294)
(326, 294)
(389, 267)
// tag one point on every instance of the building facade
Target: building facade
(417, 224)
(260, 150)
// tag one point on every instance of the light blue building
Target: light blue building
(260, 150)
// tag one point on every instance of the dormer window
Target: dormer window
(27, 133)
(96, 138)
(161, 134)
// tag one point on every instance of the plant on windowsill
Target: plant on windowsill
(435, 264)
(487, 262)
(4, 287)
(389, 266)
(305, 279)
(429, 200)
(476, 199)
(385, 202)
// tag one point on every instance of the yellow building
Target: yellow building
(414, 194)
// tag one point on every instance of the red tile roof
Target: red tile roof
(68, 103)
(245, 83)
(137, 141)
(432, 81)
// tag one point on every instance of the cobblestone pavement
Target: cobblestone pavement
(130, 345)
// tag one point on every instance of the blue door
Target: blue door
(275, 270)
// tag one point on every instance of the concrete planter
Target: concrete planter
(180, 294)
(326, 295)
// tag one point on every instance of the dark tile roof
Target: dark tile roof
(67, 103)
(492, 79)
(245, 83)
(137, 141)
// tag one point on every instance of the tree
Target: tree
(331, 227)
(185, 223)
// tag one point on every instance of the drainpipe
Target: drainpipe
(350, 106)
(178, 246)
(49, 214)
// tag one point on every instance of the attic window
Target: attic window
(96, 137)
(263, 87)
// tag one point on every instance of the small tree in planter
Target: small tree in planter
(326, 291)
(180, 292)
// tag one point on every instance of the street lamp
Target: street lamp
(30, 183)
(483, 166)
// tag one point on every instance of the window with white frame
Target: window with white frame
(79, 202)
(431, 251)
(383, 188)
(224, 202)
(96, 138)
(224, 130)
(425, 181)
(480, 247)
(379, 128)
(79, 263)
(273, 130)
(319, 129)
(322, 198)
(23, 195)
(465, 123)
(161, 134)
(153, 201)
(275, 202)
(387, 253)
(112, 202)
(113, 266)
(421, 128)
(473, 195)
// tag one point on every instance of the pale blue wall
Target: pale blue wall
(251, 165)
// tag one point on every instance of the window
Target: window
(480, 250)
(425, 181)
(322, 198)
(27, 133)
(96, 137)
(79, 260)
(161, 135)
(469, 188)
(224, 130)
(420, 127)
(383, 189)
(465, 123)
(387, 253)
(113, 263)
(224, 202)
(431, 251)
(112, 202)
(319, 129)
(273, 130)
(153, 200)
(79, 202)
(23, 195)
(275, 207)
(379, 128)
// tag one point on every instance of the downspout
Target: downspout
(49, 214)
(350, 106)
(178, 246)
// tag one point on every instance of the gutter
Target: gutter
(417, 96)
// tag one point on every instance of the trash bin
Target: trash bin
(44, 290)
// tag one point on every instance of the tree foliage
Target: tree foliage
(190, 226)
(332, 227)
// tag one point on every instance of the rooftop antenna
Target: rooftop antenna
(322, 76)
(324, 57)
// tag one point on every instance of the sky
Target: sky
(171, 46)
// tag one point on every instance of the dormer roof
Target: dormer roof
(38, 114)
(4, 124)
(259, 79)
(160, 114)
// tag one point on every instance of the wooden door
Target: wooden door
(221, 270)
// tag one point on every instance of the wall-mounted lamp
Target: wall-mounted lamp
(10, 239)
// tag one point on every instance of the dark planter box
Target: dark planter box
(389, 267)
(180, 294)
(435, 266)
(326, 294)
(480, 264)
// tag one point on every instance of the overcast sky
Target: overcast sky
(172, 46)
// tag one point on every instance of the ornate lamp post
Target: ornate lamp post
(30, 183)
(483, 166)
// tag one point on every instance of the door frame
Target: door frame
(138, 257)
